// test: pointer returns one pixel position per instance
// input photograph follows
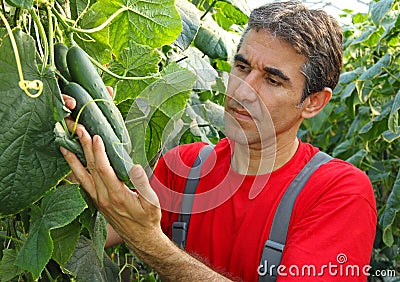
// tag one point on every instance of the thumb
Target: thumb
(141, 182)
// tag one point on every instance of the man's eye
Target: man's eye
(241, 67)
(272, 81)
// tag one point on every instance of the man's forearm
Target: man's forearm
(172, 263)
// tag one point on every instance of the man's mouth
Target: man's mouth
(241, 114)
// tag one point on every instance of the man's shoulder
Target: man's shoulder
(339, 176)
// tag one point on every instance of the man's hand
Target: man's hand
(129, 212)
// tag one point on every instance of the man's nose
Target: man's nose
(247, 87)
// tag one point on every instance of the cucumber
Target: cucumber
(60, 60)
(63, 139)
(83, 72)
(96, 124)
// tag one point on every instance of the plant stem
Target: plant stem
(92, 30)
(25, 85)
(208, 9)
(11, 238)
(51, 38)
(43, 38)
(116, 75)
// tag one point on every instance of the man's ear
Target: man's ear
(315, 102)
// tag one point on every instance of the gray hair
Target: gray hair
(312, 33)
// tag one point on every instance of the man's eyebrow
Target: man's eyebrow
(241, 58)
(273, 71)
(277, 72)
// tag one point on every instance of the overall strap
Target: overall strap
(180, 227)
(273, 248)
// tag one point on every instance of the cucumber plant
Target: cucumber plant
(49, 45)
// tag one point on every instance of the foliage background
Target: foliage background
(168, 63)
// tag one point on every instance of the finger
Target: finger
(141, 182)
(86, 141)
(80, 172)
(110, 90)
(73, 126)
(103, 167)
(69, 102)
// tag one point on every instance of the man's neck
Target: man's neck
(250, 161)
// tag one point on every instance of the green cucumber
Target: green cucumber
(83, 72)
(96, 124)
(61, 138)
(60, 60)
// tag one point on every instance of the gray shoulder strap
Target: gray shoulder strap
(180, 227)
(273, 248)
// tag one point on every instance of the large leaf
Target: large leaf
(194, 61)
(393, 121)
(86, 266)
(58, 208)
(228, 16)
(8, 268)
(161, 101)
(390, 213)
(214, 41)
(64, 241)
(24, 4)
(379, 10)
(29, 160)
(149, 22)
(190, 23)
(242, 5)
(135, 60)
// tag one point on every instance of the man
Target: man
(287, 63)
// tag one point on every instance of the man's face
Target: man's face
(264, 91)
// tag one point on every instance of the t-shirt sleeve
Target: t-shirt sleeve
(332, 228)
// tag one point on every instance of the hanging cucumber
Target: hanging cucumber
(83, 72)
(96, 124)
(60, 60)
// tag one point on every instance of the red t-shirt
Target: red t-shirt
(331, 231)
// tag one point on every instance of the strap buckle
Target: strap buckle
(179, 233)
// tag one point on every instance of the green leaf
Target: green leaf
(86, 266)
(379, 10)
(342, 148)
(227, 15)
(206, 75)
(58, 208)
(8, 268)
(149, 22)
(161, 101)
(390, 213)
(390, 136)
(135, 60)
(99, 236)
(350, 76)
(64, 241)
(359, 18)
(30, 161)
(376, 69)
(364, 36)
(214, 41)
(348, 90)
(170, 93)
(393, 121)
(190, 16)
(241, 5)
(23, 4)
(357, 157)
